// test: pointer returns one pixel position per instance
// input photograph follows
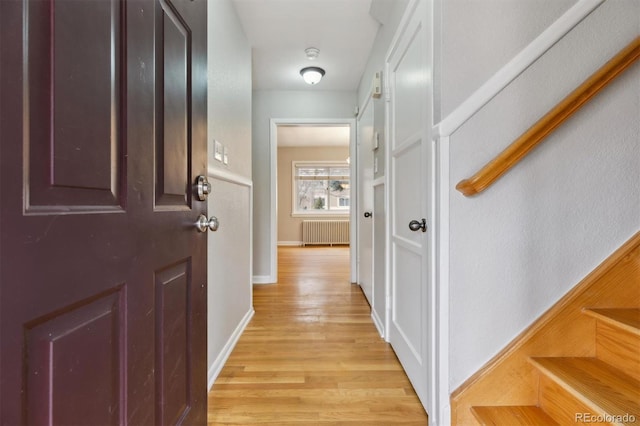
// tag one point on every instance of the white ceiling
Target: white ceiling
(307, 135)
(280, 30)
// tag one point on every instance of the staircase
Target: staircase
(579, 363)
(580, 390)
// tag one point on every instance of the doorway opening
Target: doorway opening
(313, 171)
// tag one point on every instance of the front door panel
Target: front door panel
(173, 137)
(81, 345)
(102, 273)
(73, 164)
(173, 362)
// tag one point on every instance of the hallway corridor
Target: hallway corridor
(311, 355)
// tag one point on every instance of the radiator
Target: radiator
(325, 232)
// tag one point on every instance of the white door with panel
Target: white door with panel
(410, 167)
(365, 201)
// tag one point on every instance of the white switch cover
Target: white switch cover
(217, 151)
(376, 85)
(225, 155)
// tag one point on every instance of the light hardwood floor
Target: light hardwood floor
(311, 355)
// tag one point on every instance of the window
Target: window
(321, 188)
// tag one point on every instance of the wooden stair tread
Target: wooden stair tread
(512, 415)
(628, 319)
(596, 384)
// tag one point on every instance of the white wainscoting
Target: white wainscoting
(230, 260)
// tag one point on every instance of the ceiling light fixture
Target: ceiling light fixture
(312, 75)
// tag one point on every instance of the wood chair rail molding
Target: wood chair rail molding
(515, 152)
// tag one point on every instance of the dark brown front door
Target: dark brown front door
(102, 272)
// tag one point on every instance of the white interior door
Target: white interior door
(365, 201)
(409, 161)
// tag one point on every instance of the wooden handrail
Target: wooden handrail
(508, 158)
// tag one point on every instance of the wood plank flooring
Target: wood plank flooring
(311, 355)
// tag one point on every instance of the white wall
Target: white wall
(480, 36)
(268, 104)
(389, 13)
(229, 112)
(229, 87)
(520, 246)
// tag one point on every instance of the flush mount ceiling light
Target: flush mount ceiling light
(312, 75)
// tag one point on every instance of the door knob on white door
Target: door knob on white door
(416, 225)
(202, 224)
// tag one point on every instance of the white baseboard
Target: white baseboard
(290, 243)
(377, 322)
(217, 365)
(264, 279)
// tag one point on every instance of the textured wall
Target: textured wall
(480, 36)
(267, 105)
(393, 11)
(229, 112)
(520, 246)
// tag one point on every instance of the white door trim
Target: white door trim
(273, 178)
(356, 218)
(380, 323)
(440, 276)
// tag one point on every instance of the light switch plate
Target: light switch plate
(376, 85)
(217, 150)
(225, 155)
